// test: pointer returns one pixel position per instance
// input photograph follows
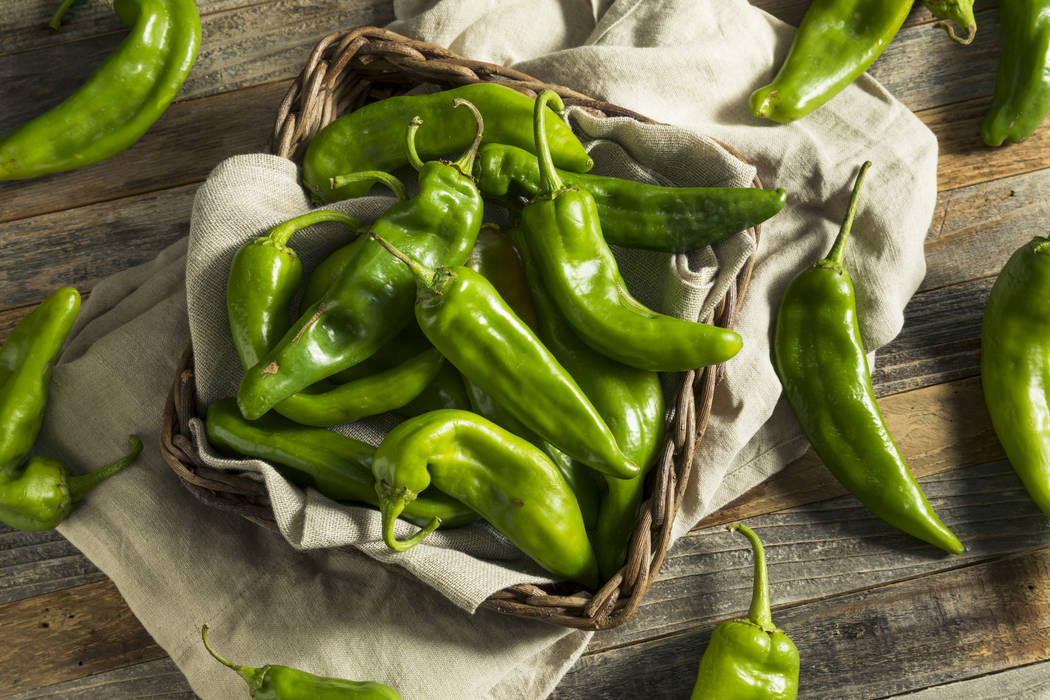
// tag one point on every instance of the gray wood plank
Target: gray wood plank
(35, 563)
(1031, 682)
(153, 679)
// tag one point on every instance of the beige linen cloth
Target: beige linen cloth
(295, 601)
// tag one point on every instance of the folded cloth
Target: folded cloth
(287, 598)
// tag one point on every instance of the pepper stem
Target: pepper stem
(759, 612)
(465, 163)
(385, 178)
(421, 271)
(550, 181)
(838, 250)
(207, 645)
(392, 507)
(56, 19)
(410, 140)
(253, 676)
(80, 485)
(280, 233)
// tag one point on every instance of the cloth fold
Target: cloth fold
(686, 63)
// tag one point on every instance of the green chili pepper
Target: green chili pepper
(43, 494)
(749, 657)
(510, 482)
(272, 682)
(495, 257)
(473, 327)
(131, 89)
(564, 237)
(446, 390)
(335, 465)
(263, 279)
(1021, 99)
(836, 42)
(1015, 365)
(26, 360)
(635, 214)
(959, 12)
(630, 400)
(370, 138)
(819, 355)
(372, 299)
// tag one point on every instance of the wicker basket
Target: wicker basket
(345, 71)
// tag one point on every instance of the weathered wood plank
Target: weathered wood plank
(69, 634)
(900, 636)
(1030, 682)
(35, 563)
(153, 679)
(79, 247)
(791, 11)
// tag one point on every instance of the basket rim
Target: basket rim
(365, 51)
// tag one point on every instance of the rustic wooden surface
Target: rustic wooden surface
(874, 613)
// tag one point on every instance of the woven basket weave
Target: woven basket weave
(345, 71)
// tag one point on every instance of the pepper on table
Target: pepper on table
(1021, 99)
(749, 658)
(124, 97)
(819, 356)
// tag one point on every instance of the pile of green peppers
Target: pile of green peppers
(527, 377)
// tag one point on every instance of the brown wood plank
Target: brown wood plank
(889, 639)
(153, 679)
(791, 11)
(79, 247)
(69, 634)
(35, 563)
(181, 148)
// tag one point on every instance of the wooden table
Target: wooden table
(873, 612)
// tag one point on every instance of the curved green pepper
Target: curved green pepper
(335, 465)
(819, 356)
(1015, 365)
(636, 214)
(749, 657)
(372, 299)
(959, 12)
(836, 42)
(510, 482)
(473, 327)
(564, 237)
(1022, 86)
(273, 682)
(370, 138)
(128, 92)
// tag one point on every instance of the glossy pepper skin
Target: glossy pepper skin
(1015, 365)
(128, 92)
(273, 682)
(372, 299)
(337, 466)
(955, 13)
(473, 327)
(630, 400)
(836, 42)
(510, 482)
(1021, 99)
(564, 237)
(819, 356)
(370, 138)
(636, 214)
(446, 390)
(749, 658)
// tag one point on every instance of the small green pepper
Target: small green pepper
(819, 356)
(369, 138)
(273, 682)
(446, 390)
(636, 214)
(509, 481)
(127, 93)
(749, 658)
(959, 12)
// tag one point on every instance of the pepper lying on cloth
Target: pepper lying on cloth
(120, 101)
(40, 494)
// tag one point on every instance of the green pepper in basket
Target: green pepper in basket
(836, 42)
(750, 657)
(636, 214)
(128, 92)
(473, 327)
(509, 481)
(273, 682)
(372, 299)
(819, 356)
(370, 138)
(561, 229)
(1022, 86)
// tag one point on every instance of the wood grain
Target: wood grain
(69, 634)
(152, 679)
(35, 563)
